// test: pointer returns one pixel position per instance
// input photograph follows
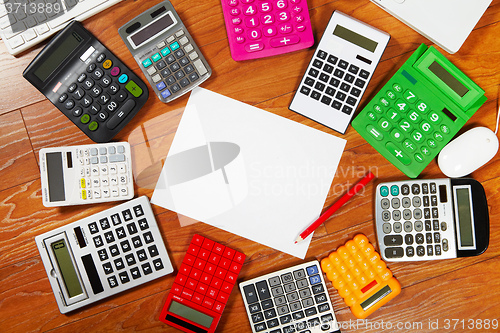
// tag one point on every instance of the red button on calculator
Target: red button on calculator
(202, 287)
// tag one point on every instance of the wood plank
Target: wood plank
(17, 161)
(15, 91)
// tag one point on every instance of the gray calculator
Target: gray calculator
(294, 299)
(165, 51)
(429, 219)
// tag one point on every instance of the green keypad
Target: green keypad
(409, 120)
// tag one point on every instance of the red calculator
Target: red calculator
(202, 286)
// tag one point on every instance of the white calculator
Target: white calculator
(339, 72)
(293, 299)
(430, 219)
(85, 174)
(103, 254)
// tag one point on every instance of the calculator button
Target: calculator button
(146, 63)
(338, 73)
(398, 153)
(146, 268)
(284, 41)
(98, 73)
(105, 81)
(385, 203)
(123, 78)
(371, 116)
(327, 68)
(100, 58)
(153, 251)
(263, 290)
(394, 252)
(91, 67)
(112, 281)
(393, 240)
(69, 104)
(359, 83)
(384, 191)
(419, 226)
(119, 263)
(93, 228)
(107, 64)
(375, 133)
(394, 190)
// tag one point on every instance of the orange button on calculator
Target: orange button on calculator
(360, 276)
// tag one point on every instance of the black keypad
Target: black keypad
(324, 77)
(128, 257)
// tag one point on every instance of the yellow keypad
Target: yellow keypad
(360, 276)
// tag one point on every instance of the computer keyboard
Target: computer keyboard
(25, 23)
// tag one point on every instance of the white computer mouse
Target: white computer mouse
(468, 152)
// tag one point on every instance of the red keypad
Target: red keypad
(206, 278)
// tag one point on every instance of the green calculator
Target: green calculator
(419, 110)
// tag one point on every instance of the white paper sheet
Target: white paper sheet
(248, 171)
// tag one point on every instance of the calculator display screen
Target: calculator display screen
(448, 79)
(376, 297)
(465, 220)
(55, 177)
(152, 29)
(66, 268)
(355, 38)
(50, 63)
(190, 314)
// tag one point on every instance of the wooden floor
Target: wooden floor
(456, 295)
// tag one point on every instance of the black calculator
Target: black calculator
(87, 83)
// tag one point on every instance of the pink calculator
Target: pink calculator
(264, 28)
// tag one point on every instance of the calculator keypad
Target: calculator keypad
(125, 245)
(104, 172)
(102, 95)
(413, 132)
(411, 223)
(259, 29)
(175, 66)
(290, 300)
(334, 82)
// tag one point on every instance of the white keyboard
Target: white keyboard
(24, 23)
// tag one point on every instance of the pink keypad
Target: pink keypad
(264, 28)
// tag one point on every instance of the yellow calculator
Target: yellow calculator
(360, 276)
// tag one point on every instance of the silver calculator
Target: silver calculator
(429, 219)
(103, 254)
(85, 174)
(165, 52)
(294, 299)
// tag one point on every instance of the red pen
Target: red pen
(355, 189)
